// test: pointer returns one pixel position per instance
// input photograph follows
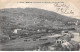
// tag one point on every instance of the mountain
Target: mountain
(31, 17)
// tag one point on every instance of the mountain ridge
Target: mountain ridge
(18, 17)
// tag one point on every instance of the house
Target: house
(16, 30)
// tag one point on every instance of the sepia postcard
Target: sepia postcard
(39, 25)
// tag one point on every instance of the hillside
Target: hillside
(31, 17)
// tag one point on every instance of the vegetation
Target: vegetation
(31, 17)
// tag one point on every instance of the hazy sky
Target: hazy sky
(47, 6)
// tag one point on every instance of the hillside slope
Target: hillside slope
(29, 17)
